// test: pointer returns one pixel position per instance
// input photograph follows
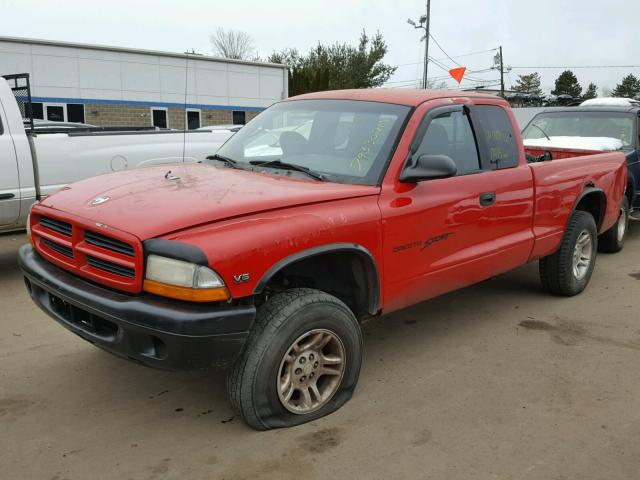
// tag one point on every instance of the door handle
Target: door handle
(6, 196)
(487, 199)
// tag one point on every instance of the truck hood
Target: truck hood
(154, 201)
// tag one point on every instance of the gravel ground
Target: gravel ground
(497, 381)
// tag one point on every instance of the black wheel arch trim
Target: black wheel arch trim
(589, 190)
(369, 262)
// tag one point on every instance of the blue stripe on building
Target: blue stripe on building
(201, 106)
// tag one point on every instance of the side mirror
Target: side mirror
(428, 167)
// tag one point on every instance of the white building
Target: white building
(112, 86)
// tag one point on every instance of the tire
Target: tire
(612, 240)
(300, 314)
(557, 271)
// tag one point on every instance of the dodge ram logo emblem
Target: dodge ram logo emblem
(99, 200)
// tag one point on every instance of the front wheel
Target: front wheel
(568, 271)
(612, 240)
(301, 362)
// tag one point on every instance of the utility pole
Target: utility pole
(426, 47)
(423, 24)
(501, 74)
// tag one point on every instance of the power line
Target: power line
(468, 83)
(437, 77)
(580, 66)
(483, 70)
(401, 81)
(458, 87)
(446, 69)
(455, 56)
(442, 50)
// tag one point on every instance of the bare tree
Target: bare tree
(233, 44)
(433, 85)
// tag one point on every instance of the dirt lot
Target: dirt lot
(496, 381)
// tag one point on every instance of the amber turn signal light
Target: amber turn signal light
(184, 293)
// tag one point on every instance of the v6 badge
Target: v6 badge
(241, 278)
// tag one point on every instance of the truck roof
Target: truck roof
(594, 108)
(400, 96)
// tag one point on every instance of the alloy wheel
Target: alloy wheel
(311, 371)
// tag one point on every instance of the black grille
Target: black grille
(82, 319)
(110, 267)
(108, 243)
(56, 225)
(66, 251)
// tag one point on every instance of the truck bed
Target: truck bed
(559, 183)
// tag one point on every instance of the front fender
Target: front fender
(246, 251)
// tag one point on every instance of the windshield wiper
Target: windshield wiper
(229, 161)
(288, 166)
(543, 132)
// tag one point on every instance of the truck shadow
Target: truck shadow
(201, 396)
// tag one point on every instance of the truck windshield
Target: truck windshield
(582, 124)
(344, 140)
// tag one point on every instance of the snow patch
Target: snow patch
(578, 143)
(610, 102)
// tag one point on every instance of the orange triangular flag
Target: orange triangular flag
(457, 73)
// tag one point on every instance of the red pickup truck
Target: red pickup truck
(324, 211)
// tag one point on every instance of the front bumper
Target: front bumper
(153, 330)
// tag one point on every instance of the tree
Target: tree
(567, 84)
(529, 84)
(232, 44)
(628, 88)
(337, 66)
(434, 85)
(592, 92)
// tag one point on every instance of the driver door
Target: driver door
(437, 233)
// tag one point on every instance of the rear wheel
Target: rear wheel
(568, 271)
(301, 362)
(612, 240)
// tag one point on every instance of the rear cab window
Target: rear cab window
(497, 138)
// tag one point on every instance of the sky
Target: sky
(545, 33)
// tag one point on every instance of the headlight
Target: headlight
(183, 280)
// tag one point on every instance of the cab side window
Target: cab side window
(499, 139)
(450, 134)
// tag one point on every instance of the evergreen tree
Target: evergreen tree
(337, 66)
(529, 84)
(592, 92)
(628, 88)
(567, 84)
